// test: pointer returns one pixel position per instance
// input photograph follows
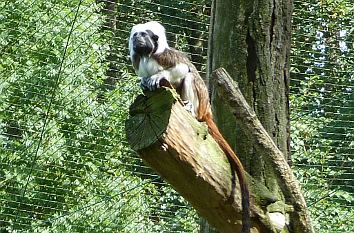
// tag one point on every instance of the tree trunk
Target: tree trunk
(205, 227)
(251, 39)
(109, 11)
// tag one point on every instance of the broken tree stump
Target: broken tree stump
(181, 151)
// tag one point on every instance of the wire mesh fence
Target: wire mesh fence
(322, 105)
(65, 86)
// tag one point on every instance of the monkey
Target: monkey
(153, 61)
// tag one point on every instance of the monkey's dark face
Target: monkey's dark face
(145, 43)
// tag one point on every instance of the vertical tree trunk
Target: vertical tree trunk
(251, 40)
(110, 23)
(205, 227)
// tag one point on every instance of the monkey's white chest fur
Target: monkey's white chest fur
(148, 67)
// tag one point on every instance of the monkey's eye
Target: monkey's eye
(135, 34)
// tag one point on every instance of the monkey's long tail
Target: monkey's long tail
(215, 133)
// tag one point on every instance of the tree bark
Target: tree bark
(181, 150)
(251, 39)
(250, 124)
(109, 11)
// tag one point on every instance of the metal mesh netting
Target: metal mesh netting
(66, 83)
(322, 105)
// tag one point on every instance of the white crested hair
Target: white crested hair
(157, 29)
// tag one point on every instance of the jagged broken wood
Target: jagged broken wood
(180, 149)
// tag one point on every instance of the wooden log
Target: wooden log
(181, 151)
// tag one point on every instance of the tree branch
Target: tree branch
(244, 114)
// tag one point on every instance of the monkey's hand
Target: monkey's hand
(152, 83)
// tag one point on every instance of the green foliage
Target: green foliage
(65, 87)
(328, 205)
(65, 165)
(322, 110)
